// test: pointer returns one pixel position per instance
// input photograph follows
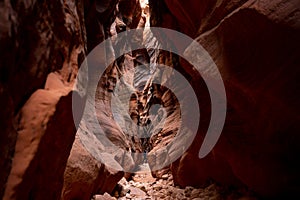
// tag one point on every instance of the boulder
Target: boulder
(46, 129)
(85, 176)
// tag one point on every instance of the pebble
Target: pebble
(165, 176)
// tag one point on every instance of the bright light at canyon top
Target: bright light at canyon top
(145, 9)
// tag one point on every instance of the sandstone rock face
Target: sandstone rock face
(37, 171)
(36, 38)
(255, 46)
(85, 176)
(253, 42)
(82, 181)
(38, 130)
(108, 95)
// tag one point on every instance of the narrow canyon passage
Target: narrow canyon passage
(150, 120)
(149, 99)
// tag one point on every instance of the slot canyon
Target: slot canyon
(136, 128)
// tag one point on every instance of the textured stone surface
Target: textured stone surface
(143, 186)
(85, 176)
(36, 38)
(254, 44)
(45, 122)
(106, 196)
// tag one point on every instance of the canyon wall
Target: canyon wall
(255, 45)
(37, 38)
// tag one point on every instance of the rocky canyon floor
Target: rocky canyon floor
(142, 186)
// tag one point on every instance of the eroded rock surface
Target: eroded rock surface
(254, 46)
(36, 39)
(85, 176)
(43, 121)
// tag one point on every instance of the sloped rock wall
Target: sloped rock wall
(38, 37)
(255, 46)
